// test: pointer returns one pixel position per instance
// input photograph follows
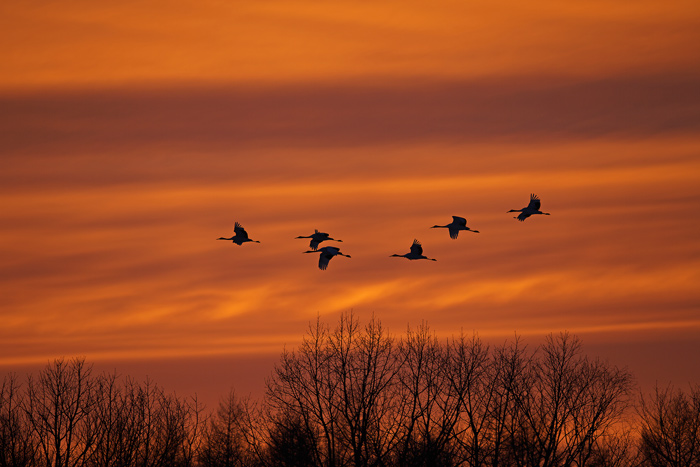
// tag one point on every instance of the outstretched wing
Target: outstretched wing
(534, 202)
(459, 221)
(240, 231)
(416, 248)
(314, 244)
(454, 232)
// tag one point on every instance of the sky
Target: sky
(134, 134)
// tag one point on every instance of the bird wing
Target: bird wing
(416, 248)
(323, 260)
(454, 232)
(240, 231)
(523, 215)
(459, 221)
(534, 202)
(314, 244)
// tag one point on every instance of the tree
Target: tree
(168, 427)
(302, 388)
(17, 445)
(290, 444)
(564, 404)
(425, 408)
(117, 425)
(472, 385)
(58, 407)
(670, 427)
(366, 367)
(339, 389)
(224, 443)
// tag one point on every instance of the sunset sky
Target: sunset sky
(133, 134)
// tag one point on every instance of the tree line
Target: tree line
(354, 395)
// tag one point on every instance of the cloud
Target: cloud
(351, 114)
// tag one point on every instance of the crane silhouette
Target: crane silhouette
(532, 208)
(318, 237)
(326, 254)
(416, 252)
(240, 236)
(457, 224)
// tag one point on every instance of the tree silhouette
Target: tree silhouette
(565, 404)
(339, 386)
(355, 396)
(17, 445)
(670, 427)
(291, 444)
(59, 407)
(224, 442)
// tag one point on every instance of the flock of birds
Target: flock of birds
(328, 252)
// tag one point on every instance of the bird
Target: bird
(318, 237)
(326, 254)
(532, 208)
(416, 252)
(457, 224)
(240, 235)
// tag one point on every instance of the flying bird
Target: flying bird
(457, 224)
(240, 235)
(532, 208)
(326, 254)
(318, 237)
(416, 252)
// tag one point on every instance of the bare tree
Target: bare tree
(365, 365)
(302, 388)
(224, 442)
(473, 388)
(58, 407)
(17, 445)
(117, 427)
(170, 422)
(670, 427)
(565, 404)
(158, 429)
(616, 449)
(507, 375)
(425, 408)
(338, 388)
(354, 396)
(290, 444)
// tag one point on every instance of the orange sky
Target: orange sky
(135, 134)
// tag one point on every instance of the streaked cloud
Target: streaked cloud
(88, 44)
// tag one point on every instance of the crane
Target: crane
(532, 208)
(416, 252)
(326, 254)
(240, 235)
(318, 237)
(457, 224)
